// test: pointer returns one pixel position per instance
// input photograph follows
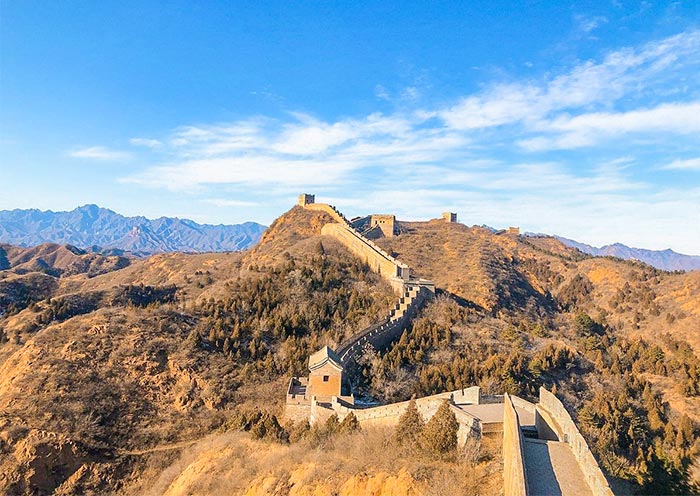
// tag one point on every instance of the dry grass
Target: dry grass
(347, 464)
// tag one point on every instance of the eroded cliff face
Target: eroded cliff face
(297, 483)
(37, 461)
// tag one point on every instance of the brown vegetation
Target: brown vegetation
(105, 377)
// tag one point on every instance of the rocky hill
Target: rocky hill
(661, 259)
(106, 378)
(89, 226)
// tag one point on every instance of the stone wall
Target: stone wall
(389, 415)
(329, 209)
(377, 259)
(297, 412)
(514, 478)
(379, 336)
(551, 410)
(523, 404)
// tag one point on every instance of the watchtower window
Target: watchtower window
(326, 378)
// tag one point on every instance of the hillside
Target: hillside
(93, 367)
(501, 272)
(91, 226)
(105, 378)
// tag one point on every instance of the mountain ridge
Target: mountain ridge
(90, 225)
(661, 259)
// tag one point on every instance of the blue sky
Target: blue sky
(580, 119)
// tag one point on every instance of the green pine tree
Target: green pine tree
(439, 437)
(410, 426)
(349, 423)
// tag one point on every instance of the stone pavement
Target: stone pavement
(552, 469)
(492, 413)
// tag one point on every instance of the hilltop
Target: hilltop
(106, 375)
(91, 226)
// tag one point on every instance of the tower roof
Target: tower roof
(322, 356)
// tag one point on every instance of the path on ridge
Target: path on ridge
(163, 447)
(552, 469)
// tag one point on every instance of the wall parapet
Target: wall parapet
(379, 336)
(514, 476)
(378, 259)
(389, 415)
(567, 431)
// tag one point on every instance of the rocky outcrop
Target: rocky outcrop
(35, 461)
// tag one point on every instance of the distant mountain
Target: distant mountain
(90, 226)
(661, 259)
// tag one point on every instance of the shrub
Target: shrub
(410, 426)
(332, 424)
(439, 437)
(349, 424)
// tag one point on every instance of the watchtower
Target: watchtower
(305, 199)
(325, 375)
(386, 223)
(514, 231)
(449, 216)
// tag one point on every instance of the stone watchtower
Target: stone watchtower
(325, 375)
(449, 216)
(305, 199)
(387, 223)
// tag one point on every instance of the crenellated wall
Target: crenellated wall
(389, 415)
(552, 417)
(377, 259)
(380, 335)
(329, 209)
(514, 476)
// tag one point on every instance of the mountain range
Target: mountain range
(92, 226)
(661, 259)
(102, 230)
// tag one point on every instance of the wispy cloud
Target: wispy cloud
(589, 83)
(589, 24)
(589, 129)
(684, 164)
(504, 152)
(147, 142)
(226, 202)
(100, 153)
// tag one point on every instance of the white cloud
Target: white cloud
(686, 164)
(588, 129)
(421, 162)
(224, 202)
(99, 153)
(586, 84)
(589, 24)
(147, 142)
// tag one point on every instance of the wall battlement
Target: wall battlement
(552, 418)
(514, 476)
(380, 335)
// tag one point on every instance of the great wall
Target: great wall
(543, 450)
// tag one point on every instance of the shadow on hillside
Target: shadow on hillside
(462, 302)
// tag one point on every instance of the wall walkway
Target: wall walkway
(552, 417)
(553, 470)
